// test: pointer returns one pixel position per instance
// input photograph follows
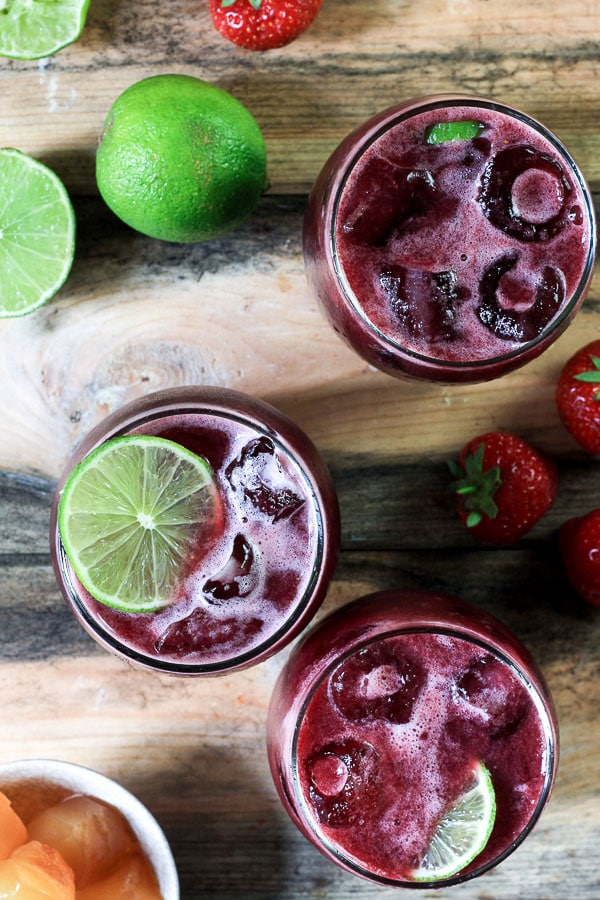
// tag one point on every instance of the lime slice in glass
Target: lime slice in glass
(130, 516)
(37, 233)
(32, 29)
(443, 132)
(462, 832)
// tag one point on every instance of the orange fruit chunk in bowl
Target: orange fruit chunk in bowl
(132, 880)
(90, 836)
(12, 830)
(35, 871)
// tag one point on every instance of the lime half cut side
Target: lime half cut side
(33, 29)
(130, 516)
(462, 832)
(37, 233)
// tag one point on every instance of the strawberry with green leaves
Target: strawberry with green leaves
(579, 544)
(503, 485)
(262, 24)
(578, 396)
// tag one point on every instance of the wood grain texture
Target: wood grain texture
(358, 57)
(137, 315)
(194, 750)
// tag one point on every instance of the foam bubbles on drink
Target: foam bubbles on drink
(420, 228)
(429, 707)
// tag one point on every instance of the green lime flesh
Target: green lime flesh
(130, 515)
(37, 233)
(462, 832)
(33, 29)
(443, 132)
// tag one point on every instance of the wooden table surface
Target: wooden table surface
(138, 315)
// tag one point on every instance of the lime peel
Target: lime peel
(463, 831)
(180, 159)
(37, 233)
(129, 516)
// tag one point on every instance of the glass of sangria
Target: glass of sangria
(67, 831)
(450, 238)
(247, 577)
(412, 739)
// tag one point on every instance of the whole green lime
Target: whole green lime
(180, 159)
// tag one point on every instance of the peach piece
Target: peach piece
(12, 830)
(36, 872)
(133, 880)
(91, 836)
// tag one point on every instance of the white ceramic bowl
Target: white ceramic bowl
(79, 779)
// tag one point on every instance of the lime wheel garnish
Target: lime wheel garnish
(462, 832)
(130, 517)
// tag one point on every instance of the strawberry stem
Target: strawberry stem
(476, 487)
(592, 376)
(255, 4)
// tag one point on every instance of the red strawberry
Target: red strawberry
(578, 396)
(262, 24)
(504, 486)
(579, 543)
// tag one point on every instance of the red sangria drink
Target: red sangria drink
(195, 531)
(450, 238)
(412, 739)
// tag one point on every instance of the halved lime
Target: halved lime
(37, 233)
(32, 29)
(130, 515)
(462, 832)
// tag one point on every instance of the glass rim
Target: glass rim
(240, 660)
(404, 111)
(546, 722)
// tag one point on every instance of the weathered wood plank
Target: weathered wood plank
(368, 54)
(213, 794)
(386, 504)
(523, 586)
(24, 512)
(138, 315)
